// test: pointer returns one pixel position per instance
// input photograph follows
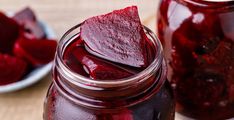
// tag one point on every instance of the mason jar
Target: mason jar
(198, 37)
(144, 96)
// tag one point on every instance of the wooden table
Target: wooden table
(27, 104)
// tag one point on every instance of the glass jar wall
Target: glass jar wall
(198, 37)
(144, 96)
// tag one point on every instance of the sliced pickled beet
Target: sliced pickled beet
(231, 93)
(117, 36)
(183, 61)
(27, 18)
(224, 53)
(180, 40)
(24, 15)
(12, 69)
(98, 68)
(203, 89)
(150, 53)
(190, 33)
(37, 52)
(71, 60)
(35, 29)
(9, 31)
(124, 115)
(207, 46)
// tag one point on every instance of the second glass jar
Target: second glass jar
(198, 37)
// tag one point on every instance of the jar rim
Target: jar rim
(78, 79)
(211, 3)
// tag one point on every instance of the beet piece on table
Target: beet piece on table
(9, 31)
(12, 69)
(37, 52)
(28, 20)
(99, 68)
(117, 36)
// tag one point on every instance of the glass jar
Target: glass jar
(144, 96)
(198, 37)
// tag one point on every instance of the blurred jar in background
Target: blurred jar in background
(198, 37)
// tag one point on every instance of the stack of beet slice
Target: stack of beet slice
(23, 45)
(111, 46)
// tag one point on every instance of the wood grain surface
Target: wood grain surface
(27, 104)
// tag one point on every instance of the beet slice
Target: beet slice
(37, 52)
(123, 115)
(71, 61)
(202, 89)
(9, 31)
(27, 18)
(12, 69)
(25, 14)
(117, 36)
(98, 68)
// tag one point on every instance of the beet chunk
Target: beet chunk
(12, 69)
(98, 68)
(71, 60)
(28, 20)
(117, 36)
(9, 31)
(25, 15)
(203, 89)
(123, 115)
(37, 52)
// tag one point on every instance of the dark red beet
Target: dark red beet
(35, 29)
(117, 36)
(124, 115)
(25, 15)
(27, 18)
(12, 69)
(199, 44)
(203, 89)
(99, 68)
(9, 31)
(37, 52)
(225, 52)
(71, 60)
